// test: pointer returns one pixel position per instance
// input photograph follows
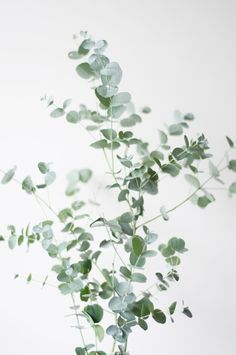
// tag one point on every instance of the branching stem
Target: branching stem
(181, 203)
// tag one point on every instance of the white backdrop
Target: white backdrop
(175, 54)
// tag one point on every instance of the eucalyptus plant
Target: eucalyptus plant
(121, 290)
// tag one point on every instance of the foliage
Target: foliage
(136, 170)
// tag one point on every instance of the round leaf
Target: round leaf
(73, 117)
(84, 70)
(95, 312)
(159, 316)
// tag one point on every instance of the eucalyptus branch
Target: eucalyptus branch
(141, 173)
(179, 204)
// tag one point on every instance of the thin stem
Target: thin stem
(43, 283)
(41, 207)
(115, 179)
(181, 203)
(126, 344)
(115, 315)
(112, 243)
(78, 322)
(47, 205)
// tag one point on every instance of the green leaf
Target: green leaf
(177, 244)
(100, 46)
(125, 271)
(172, 308)
(164, 213)
(173, 260)
(138, 277)
(58, 112)
(95, 312)
(107, 91)
(163, 137)
(232, 188)
(230, 142)
(171, 169)
(150, 236)
(149, 253)
(115, 304)
(99, 331)
(113, 145)
(157, 156)
(82, 51)
(159, 316)
(72, 244)
(187, 312)
(73, 117)
(109, 134)
(76, 205)
(84, 71)
(85, 175)
(105, 101)
(28, 185)
(130, 121)
(203, 201)
(106, 292)
(64, 214)
(179, 153)
(175, 130)
(192, 180)
(165, 250)
(88, 44)
(9, 175)
(126, 217)
(138, 245)
(29, 278)
(67, 103)
(213, 170)
(123, 195)
(112, 330)
(85, 294)
(137, 261)
(120, 99)
(80, 351)
(20, 240)
(84, 266)
(73, 55)
(76, 285)
(64, 288)
(101, 144)
(142, 324)
(111, 74)
(12, 241)
(146, 109)
(50, 177)
(43, 167)
(117, 111)
(232, 165)
(189, 117)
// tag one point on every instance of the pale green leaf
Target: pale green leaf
(50, 177)
(232, 165)
(73, 117)
(8, 175)
(85, 71)
(120, 99)
(58, 112)
(101, 144)
(109, 134)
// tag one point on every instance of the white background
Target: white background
(175, 55)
